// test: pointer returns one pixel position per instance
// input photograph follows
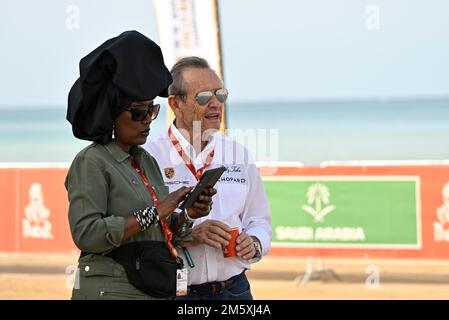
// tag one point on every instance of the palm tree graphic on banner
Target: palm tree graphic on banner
(319, 195)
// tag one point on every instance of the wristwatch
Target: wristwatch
(258, 248)
(187, 218)
(185, 228)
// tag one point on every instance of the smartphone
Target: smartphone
(208, 179)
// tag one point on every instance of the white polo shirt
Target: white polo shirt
(240, 200)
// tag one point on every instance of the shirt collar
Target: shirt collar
(118, 154)
(187, 147)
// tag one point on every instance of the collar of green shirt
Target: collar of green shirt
(119, 155)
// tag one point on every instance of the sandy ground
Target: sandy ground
(51, 277)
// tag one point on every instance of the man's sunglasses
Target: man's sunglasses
(202, 98)
(140, 112)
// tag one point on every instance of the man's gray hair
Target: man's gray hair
(177, 86)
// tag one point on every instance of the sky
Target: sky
(273, 50)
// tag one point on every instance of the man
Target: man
(193, 144)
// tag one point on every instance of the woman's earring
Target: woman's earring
(113, 130)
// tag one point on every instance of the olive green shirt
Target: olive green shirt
(104, 188)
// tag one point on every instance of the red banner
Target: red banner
(34, 210)
(434, 224)
(34, 206)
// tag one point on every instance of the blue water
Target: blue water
(309, 132)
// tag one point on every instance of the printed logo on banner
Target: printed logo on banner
(441, 227)
(345, 211)
(318, 194)
(36, 223)
(319, 206)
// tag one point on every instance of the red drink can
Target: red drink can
(229, 250)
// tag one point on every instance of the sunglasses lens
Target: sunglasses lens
(155, 111)
(222, 95)
(203, 97)
(138, 114)
(141, 113)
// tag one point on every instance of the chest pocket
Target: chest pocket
(233, 190)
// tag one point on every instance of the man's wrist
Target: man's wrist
(258, 248)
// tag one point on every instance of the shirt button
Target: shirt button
(87, 268)
(134, 182)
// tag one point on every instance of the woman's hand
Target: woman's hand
(203, 205)
(171, 202)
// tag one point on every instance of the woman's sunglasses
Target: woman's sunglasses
(140, 113)
(202, 98)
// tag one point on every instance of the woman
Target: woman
(120, 211)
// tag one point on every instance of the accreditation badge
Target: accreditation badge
(181, 282)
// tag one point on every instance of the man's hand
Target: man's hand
(214, 233)
(245, 246)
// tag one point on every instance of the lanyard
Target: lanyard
(196, 173)
(167, 232)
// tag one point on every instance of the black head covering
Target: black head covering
(126, 68)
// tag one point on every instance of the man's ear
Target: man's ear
(174, 104)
